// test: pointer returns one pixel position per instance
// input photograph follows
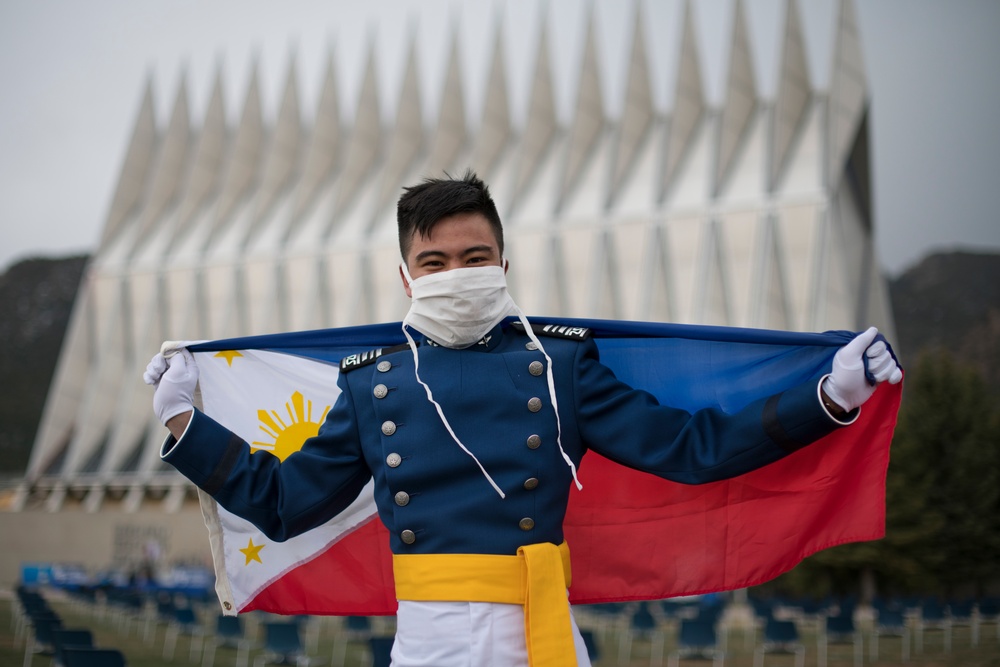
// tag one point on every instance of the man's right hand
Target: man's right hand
(174, 378)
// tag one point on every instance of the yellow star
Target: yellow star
(228, 355)
(252, 552)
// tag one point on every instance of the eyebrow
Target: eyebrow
(468, 251)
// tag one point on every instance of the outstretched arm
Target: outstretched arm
(281, 499)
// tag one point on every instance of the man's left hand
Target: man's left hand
(847, 385)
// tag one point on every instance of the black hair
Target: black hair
(423, 206)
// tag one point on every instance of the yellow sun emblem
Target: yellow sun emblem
(286, 438)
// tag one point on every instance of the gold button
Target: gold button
(393, 460)
(531, 483)
(388, 427)
(534, 442)
(526, 523)
(534, 404)
(384, 366)
(402, 498)
(408, 537)
(530, 345)
(536, 368)
(380, 391)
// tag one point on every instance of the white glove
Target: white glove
(847, 384)
(175, 378)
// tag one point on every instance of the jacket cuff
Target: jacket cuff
(206, 452)
(847, 419)
(796, 417)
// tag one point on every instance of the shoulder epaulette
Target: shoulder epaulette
(355, 361)
(557, 331)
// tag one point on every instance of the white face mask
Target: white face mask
(457, 308)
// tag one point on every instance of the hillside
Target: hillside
(952, 301)
(36, 298)
(949, 300)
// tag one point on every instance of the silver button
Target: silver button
(534, 404)
(388, 427)
(536, 368)
(531, 483)
(402, 499)
(527, 523)
(384, 366)
(380, 391)
(534, 442)
(408, 537)
(393, 460)
(530, 345)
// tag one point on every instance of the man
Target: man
(473, 431)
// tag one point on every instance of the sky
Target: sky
(72, 75)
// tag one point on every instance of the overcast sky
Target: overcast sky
(72, 76)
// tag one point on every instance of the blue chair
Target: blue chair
(697, 638)
(931, 615)
(780, 637)
(128, 607)
(356, 629)
(763, 611)
(590, 641)
(381, 648)
(282, 646)
(163, 612)
(962, 613)
(63, 639)
(228, 632)
(988, 611)
(185, 622)
(890, 622)
(93, 657)
(642, 624)
(40, 636)
(28, 604)
(606, 616)
(839, 629)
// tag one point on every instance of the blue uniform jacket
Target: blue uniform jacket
(431, 495)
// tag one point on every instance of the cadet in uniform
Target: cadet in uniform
(473, 431)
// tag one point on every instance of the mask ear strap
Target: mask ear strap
(552, 394)
(440, 411)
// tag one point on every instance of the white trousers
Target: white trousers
(466, 634)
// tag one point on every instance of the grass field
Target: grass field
(327, 641)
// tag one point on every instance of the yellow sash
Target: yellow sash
(537, 578)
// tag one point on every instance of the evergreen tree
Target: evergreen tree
(942, 495)
(954, 421)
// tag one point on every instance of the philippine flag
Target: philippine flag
(632, 535)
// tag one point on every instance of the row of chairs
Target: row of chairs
(776, 628)
(697, 630)
(284, 641)
(906, 620)
(42, 629)
(272, 640)
(932, 614)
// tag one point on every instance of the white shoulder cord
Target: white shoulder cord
(444, 420)
(552, 394)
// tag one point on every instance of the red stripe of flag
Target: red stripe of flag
(635, 536)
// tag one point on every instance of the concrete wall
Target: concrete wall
(99, 540)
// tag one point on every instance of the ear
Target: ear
(506, 265)
(406, 285)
